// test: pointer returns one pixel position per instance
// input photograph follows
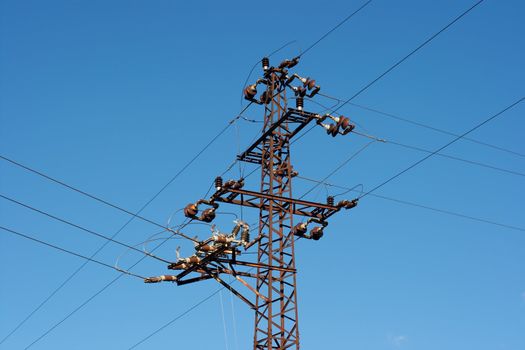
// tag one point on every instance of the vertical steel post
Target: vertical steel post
(276, 318)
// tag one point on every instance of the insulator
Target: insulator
(299, 103)
(208, 215)
(331, 129)
(193, 260)
(300, 229)
(300, 91)
(190, 210)
(348, 129)
(218, 182)
(245, 235)
(265, 98)
(310, 83)
(316, 233)
(250, 91)
(228, 184)
(285, 64)
(160, 279)
(344, 122)
(265, 63)
(238, 184)
(236, 230)
(330, 200)
(313, 93)
(179, 265)
(347, 204)
(206, 248)
(221, 239)
(293, 62)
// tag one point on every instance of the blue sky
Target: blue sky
(115, 97)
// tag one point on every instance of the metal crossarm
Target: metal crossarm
(296, 120)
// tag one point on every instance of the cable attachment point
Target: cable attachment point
(207, 215)
(315, 233)
(348, 204)
(286, 64)
(167, 278)
(342, 125)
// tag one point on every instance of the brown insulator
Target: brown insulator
(265, 98)
(348, 129)
(316, 233)
(206, 248)
(228, 184)
(293, 62)
(221, 239)
(310, 83)
(285, 64)
(332, 130)
(158, 279)
(245, 235)
(191, 210)
(208, 215)
(300, 229)
(265, 63)
(330, 200)
(236, 230)
(250, 91)
(218, 182)
(179, 265)
(300, 91)
(313, 93)
(238, 184)
(193, 260)
(347, 204)
(344, 122)
(299, 103)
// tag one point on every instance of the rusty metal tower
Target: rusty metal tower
(274, 282)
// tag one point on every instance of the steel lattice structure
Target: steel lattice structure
(274, 282)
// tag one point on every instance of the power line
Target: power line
(334, 28)
(12, 200)
(423, 125)
(415, 148)
(417, 205)
(395, 65)
(443, 147)
(68, 251)
(134, 215)
(78, 308)
(84, 193)
(352, 156)
(484, 165)
(187, 311)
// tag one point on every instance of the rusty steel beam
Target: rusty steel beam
(260, 201)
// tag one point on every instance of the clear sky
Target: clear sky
(114, 97)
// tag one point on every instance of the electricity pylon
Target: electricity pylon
(275, 290)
